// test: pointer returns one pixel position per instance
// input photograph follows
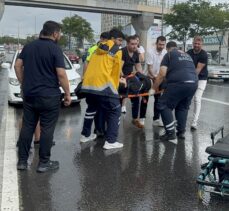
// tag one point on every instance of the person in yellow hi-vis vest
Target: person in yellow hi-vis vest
(100, 85)
(99, 119)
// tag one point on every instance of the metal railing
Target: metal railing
(155, 3)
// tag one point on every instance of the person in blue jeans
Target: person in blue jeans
(179, 71)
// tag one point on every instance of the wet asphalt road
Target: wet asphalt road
(146, 175)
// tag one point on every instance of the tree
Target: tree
(195, 18)
(216, 22)
(63, 41)
(30, 39)
(77, 27)
(8, 40)
(180, 20)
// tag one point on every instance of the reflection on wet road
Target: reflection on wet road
(146, 175)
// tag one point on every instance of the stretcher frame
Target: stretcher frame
(208, 177)
(135, 95)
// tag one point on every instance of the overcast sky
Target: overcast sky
(31, 19)
(28, 20)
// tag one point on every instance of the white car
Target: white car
(14, 93)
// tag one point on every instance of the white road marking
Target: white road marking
(225, 87)
(216, 101)
(10, 194)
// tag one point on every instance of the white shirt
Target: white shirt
(141, 50)
(153, 57)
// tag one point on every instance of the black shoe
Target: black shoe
(181, 136)
(99, 134)
(22, 166)
(168, 137)
(50, 165)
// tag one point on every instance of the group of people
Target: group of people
(176, 77)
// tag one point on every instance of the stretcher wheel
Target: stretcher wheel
(201, 192)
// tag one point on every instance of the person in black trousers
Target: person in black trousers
(179, 71)
(40, 70)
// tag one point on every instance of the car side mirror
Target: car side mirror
(5, 65)
(76, 66)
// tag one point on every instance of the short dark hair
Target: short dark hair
(137, 36)
(129, 38)
(161, 38)
(171, 44)
(50, 27)
(116, 33)
(105, 35)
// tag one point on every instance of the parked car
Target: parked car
(14, 93)
(2, 50)
(72, 57)
(218, 71)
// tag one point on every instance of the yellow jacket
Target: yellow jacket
(103, 71)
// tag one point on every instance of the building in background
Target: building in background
(211, 44)
(108, 21)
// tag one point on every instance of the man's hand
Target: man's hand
(160, 77)
(123, 81)
(67, 100)
(152, 77)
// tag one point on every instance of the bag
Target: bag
(78, 92)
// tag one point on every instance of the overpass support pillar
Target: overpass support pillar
(141, 24)
(2, 6)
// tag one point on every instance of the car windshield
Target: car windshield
(214, 63)
(66, 62)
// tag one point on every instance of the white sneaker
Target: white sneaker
(194, 126)
(142, 121)
(84, 139)
(123, 109)
(114, 145)
(158, 123)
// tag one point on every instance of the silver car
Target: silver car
(218, 71)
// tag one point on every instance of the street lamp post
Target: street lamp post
(162, 17)
(227, 21)
(35, 25)
(18, 35)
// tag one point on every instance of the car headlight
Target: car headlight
(14, 82)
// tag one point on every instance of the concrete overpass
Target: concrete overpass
(122, 7)
(143, 12)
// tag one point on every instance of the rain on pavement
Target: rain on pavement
(147, 174)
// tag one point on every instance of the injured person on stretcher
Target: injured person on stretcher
(135, 85)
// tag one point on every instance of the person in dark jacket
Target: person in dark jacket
(178, 70)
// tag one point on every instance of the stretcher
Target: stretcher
(214, 175)
(136, 95)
